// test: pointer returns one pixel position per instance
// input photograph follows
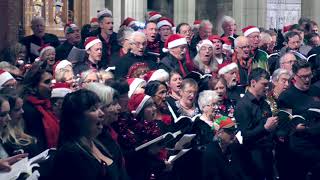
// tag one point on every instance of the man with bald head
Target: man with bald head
(242, 58)
(38, 38)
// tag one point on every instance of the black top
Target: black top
(50, 39)
(124, 63)
(251, 115)
(170, 63)
(73, 162)
(34, 125)
(203, 131)
(64, 49)
(108, 49)
(234, 93)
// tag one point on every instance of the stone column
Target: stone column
(116, 12)
(135, 9)
(310, 9)
(184, 11)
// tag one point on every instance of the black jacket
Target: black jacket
(170, 63)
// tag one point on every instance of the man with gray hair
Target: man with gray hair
(38, 38)
(205, 30)
(138, 44)
(287, 60)
(228, 25)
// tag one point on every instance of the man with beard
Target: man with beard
(229, 72)
(93, 47)
(304, 139)
(165, 30)
(292, 44)
(253, 116)
(176, 45)
(138, 43)
(242, 58)
(73, 38)
(107, 37)
(259, 57)
(205, 30)
(39, 38)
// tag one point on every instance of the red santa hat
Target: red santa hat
(214, 37)
(137, 102)
(226, 67)
(135, 67)
(134, 83)
(68, 28)
(197, 22)
(91, 41)
(173, 41)
(153, 15)
(286, 28)
(227, 44)
(103, 12)
(60, 90)
(164, 21)
(160, 75)
(4, 77)
(204, 42)
(94, 21)
(250, 29)
(61, 64)
(44, 48)
(129, 21)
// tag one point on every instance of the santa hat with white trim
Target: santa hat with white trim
(60, 90)
(134, 83)
(250, 29)
(153, 15)
(226, 67)
(164, 21)
(69, 28)
(159, 74)
(45, 48)
(204, 42)
(129, 21)
(173, 41)
(137, 102)
(103, 12)
(91, 41)
(4, 77)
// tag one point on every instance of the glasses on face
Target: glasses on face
(139, 44)
(307, 77)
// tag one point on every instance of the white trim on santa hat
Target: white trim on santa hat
(60, 92)
(227, 47)
(159, 75)
(155, 17)
(141, 104)
(4, 77)
(62, 64)
(163, 22)
(204, 42)
(92, 43)
(251, 30)
(177, 42)
(45, 49)
(227, 68)
(134, 85)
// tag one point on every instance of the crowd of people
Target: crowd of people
(219, 101)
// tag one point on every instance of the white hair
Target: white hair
(206, 97)
(282, 58)
(105, 93)
(135, 34)
(37, 19)
(277, 73)
(85, 74)
(213, 63)
(227, 19)
(204, 23)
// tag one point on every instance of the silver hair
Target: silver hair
(204, 23)
(124, 33)
(213, 63)
(85, 74)
(227, 19)
(206, 97)
(277, 73)
(135, 34)
(284, 56)
(59, 75)
(105, 93)
(37, 19)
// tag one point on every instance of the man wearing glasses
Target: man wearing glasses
(304, 139)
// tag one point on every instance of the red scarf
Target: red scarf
(189, 62)
(243, 63)
(49, 120)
